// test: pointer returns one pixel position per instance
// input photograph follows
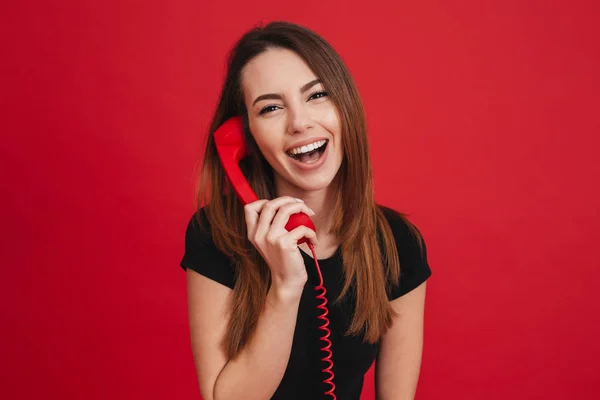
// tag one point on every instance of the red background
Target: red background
(484, 128)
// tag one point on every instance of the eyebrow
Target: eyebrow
(274, 96)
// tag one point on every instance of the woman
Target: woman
(251, 288)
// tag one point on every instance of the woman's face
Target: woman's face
(292, 119)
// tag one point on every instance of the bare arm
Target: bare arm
(259, 368)
(399, 360)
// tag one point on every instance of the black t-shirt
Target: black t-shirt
(352, 358)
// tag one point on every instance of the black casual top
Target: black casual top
(352, 358)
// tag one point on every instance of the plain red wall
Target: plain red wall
(484, 128)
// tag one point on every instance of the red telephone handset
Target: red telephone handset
(229, 140)
(231, 147)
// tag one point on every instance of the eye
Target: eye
(268, 109)
(317, 95)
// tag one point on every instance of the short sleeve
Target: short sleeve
(201, 254)
(412, 253)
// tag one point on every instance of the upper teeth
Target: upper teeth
(309, 147)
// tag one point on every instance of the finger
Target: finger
(284, 213)
(256, 206)
(268, 213)
(291, 238)
(252, 214)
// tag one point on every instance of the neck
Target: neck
(320, 201)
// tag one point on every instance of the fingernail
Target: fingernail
(299, 200)
(313, 213)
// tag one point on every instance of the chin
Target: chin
(314, 183)
(312, 186)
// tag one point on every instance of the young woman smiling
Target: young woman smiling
(252, 310)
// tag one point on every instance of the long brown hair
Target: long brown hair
(368, 248)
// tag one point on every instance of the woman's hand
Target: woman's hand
(266, 220)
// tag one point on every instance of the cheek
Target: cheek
(266, 143)
(267, 133)
(330, 120)
(259, 133)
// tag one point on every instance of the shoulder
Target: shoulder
(412, 251)
(198, 226)
(202, 255)
(406, 234)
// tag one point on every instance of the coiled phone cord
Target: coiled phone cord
(324, 327)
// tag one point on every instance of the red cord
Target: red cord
(324, 327)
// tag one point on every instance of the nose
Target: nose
(299, 120)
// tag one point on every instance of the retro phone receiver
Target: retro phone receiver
(231, 147)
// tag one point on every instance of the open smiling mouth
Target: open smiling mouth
(310, 153)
